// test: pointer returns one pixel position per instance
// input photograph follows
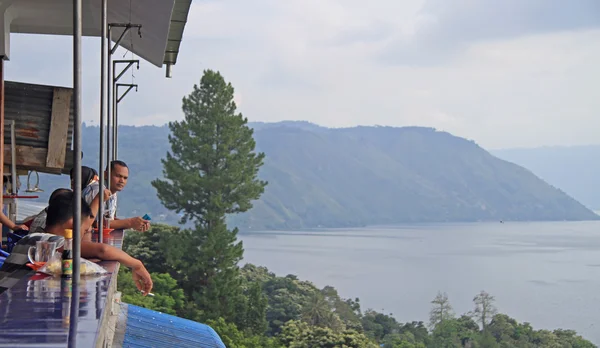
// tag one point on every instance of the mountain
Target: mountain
(575, 169)
(321, 177)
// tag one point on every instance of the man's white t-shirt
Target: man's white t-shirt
(110, 205)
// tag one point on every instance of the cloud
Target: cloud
(449, 27)
(504, 73)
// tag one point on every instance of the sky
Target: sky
(506, 74)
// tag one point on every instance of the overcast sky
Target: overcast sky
(510, 73)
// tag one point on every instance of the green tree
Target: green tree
(446, 335)
(317, 312)
(418, 330)
(254, 309)
(484, 309)
(347, 310)
(441, 310)
(569, 338)
(152, 247)
(468, 330)
(378, 325)
(168, 298)
(234, 338)
(298, 334)
(211, 172)
(287, 298)
(404, 340)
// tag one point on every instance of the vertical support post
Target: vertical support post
(115, 95)
(109, 79)
(116, 139)
(77, 31)
(12, 207)
(13, 158)
(103, 80)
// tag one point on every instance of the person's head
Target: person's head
(119, 173)
(87, 176)
(60, 212)
(57, 192)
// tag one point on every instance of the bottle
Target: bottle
(67, 255)
(66, 289)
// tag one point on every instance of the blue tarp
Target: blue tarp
(146, 328)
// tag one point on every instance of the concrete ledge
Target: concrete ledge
(106, 327)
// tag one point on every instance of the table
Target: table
(34, 312)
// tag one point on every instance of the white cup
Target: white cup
(41, 252)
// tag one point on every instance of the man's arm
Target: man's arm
(95, 205)
(120, 224)
(136, 223)
(105, 252)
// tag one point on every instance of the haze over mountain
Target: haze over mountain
(575, 169)
(321, 177)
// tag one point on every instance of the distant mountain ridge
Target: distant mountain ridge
(322, 177)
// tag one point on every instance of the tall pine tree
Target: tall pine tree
(211, 172)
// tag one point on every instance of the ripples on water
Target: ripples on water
(546, 273)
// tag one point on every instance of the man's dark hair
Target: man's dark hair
(60, 209)
(115, 163)
(57, 192)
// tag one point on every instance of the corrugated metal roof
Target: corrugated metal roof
(146, 328)
(31, 107)
(56, 18)
(178, 21)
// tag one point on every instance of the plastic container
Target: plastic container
(105, 234)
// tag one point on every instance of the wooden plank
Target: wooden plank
(59, 128)
(33, 158)
(20, 172)
(27, 156)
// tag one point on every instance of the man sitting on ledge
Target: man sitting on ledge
(119, 174)
(60, 217)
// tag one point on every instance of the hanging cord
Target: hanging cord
(131, 42)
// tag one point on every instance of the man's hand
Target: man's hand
(139, 224)
(142, 278)
(107, 194)
(20, 227)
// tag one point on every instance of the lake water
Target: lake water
(545, 273)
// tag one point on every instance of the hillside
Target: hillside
(320, 177)
(574, 169)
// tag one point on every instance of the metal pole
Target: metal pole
(12, 207)
(117, 99)
(114, 115)
(103, 52)
(116, 139)
(13, 159)
(77, 30)
(108, 104)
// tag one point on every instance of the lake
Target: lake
(545, 273)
